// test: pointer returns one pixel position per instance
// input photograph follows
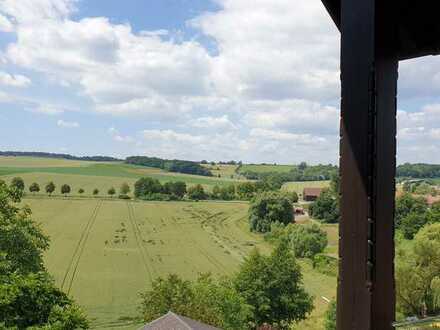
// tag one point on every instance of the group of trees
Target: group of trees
(175, 165)
(267, 290)
(412, 213)
(28, 295)
(326, 206)
(152, 189)
(420, 187)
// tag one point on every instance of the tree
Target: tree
(65, 189)
(17, 183)
(147, 186)
(412, 223)
(307, 240)
(330, 316)
(196, 192)
(326, 207)
(272, 286)
(177, 189)
(111, 191)
(269, 207)
(80, 191)
(407, 204)
(213, 302)
(418, 274)
(29, 297)
(124, 189)
(50, 188)
(95, 191)
(34, 187)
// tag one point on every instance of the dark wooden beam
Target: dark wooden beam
(369, 61)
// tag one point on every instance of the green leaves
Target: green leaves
(268, 208)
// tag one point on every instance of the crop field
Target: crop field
(105, 252)
(90, 175)
(224, 171)
(266, 168)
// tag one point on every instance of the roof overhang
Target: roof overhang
(418, 25)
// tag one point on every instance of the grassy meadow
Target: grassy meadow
(299, 186)
(259, 168)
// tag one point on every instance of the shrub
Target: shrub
(196, 192)
(412, 223)
(326, 207)
(267, 208)
(124, 189)
(407, 204)
(95, 191)
(65, 189)
(307, 240)
(50, 188)
(34, 187)
(146, 186)
(17, 183)
(330, 316)
(123, 196)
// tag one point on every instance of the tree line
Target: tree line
(175, 165)
(418, 170)
(57, 156)
(301, 172)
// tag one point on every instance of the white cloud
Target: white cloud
(215, 123)
(5, 24)
(116, 136)
(14, 80)
(67, 124)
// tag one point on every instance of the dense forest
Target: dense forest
(58, 156)
(418, 170)
(175, 165)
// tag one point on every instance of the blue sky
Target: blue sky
(249, 80)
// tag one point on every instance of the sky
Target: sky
(250, 80)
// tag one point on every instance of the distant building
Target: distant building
(172, 321)
(311, 194)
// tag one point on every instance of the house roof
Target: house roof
(418, 25)
(172, 321)
(312, 191)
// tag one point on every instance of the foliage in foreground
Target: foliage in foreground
(266, 290)
(307, 240)
(330, 316)
(326, 207)
(28, 295)
(206, 300)
(268, 208)
(418, 274)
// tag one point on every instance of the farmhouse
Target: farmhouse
(176, 322)
(311, 194)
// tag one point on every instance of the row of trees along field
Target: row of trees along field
(65, 189)
(418, 170)
(175, 165)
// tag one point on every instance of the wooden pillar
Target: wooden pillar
(366, 294)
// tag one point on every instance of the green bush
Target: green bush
(326, 207)
(267, 208)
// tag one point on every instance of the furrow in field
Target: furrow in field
(81, 250)
(78, 249)
(138, 237)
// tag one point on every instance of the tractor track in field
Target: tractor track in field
(76, 257)
(138, 237)
(208, 256)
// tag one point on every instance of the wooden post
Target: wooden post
(369, 62)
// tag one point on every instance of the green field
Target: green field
(266, 168)
(299, 186)
(105, 252)
(90, 175)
